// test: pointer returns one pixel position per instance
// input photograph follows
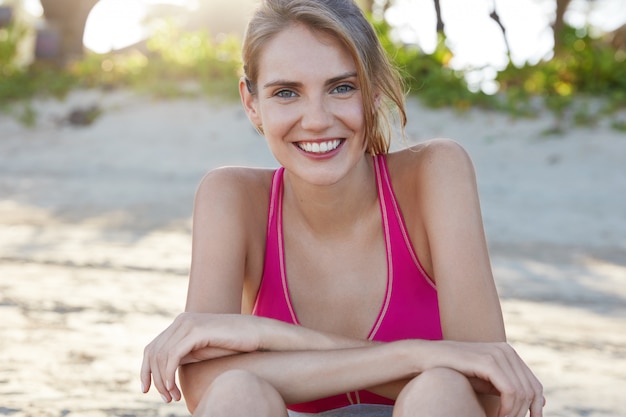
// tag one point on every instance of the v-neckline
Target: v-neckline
(385, 223)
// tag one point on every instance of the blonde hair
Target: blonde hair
(381, 86)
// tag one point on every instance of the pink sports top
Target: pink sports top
(409, 311)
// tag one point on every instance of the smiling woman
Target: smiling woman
(349, 275)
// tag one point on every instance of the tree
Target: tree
(559, 24)
(68, 19)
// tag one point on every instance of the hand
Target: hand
(495, 368)
(194, 337)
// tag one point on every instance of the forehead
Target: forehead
(300, 52)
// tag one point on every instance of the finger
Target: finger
(181, 343)
(532, 389)
(536, 408)
(157, 357)
(529, 392)
(172, 388)
(158, 380)
(539, 401)
(508, 385)
(494, 367)
(520, 373)
(159, 364)
(175, 393)
(145, 373)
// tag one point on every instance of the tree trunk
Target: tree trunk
(559, 24)
(66, 20)
(440, 24)
(496, 18)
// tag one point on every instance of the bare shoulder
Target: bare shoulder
(235, 186)
(235, 197)
(237, 178)
(228, 237)
(437, 160)
(433, 154)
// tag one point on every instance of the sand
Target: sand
(95, 243)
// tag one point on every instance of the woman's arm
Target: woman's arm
(458, 256)
(229, 222)
(468, 300)
(326, 371)
(223, 255)
(209, 344)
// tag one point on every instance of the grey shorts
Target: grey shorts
(357, 410)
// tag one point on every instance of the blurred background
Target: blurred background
(494, 54)
(111, 112)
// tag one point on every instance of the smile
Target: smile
(319, 147)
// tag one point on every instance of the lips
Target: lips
(320, 147)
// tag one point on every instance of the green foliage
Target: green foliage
(19, 82)
(429, 76)
(585, 67)
(619, 125)
(175, 55)
(22, 84)
(10, 37)
(27, 116)
(109, 70)
(175, 63)
(174, 60)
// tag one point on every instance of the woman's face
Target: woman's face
(309, 106)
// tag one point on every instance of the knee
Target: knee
(239, 392)
(440, 379)
(438, 392)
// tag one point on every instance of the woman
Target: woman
(350, 281)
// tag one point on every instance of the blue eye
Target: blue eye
(343, 89)
(285, 94)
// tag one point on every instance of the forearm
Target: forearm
(278, 336)
(302, 376)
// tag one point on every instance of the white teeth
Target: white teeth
(319, 147)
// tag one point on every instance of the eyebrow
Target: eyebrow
(293, 84)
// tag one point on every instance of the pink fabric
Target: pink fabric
(409, 311)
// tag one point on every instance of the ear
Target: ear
(377, 101)
(250, 103)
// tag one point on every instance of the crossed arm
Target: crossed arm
(207, 345)
(213, 337)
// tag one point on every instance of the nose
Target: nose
(316, 115)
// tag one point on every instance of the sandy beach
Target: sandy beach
(95, 245)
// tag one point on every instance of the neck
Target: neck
(334, 209)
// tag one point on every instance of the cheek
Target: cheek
(352, 115)
(278, 120)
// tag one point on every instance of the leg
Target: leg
(439, 392)
(240, 394)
